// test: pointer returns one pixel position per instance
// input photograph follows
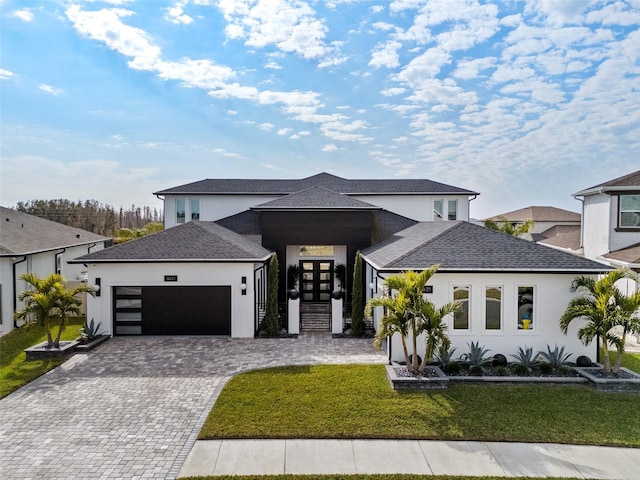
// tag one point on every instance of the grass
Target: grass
(355, 401)
(15, 370)
(630, 360)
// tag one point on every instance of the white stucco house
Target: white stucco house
(205, 274)
(32, 244)
(611, 221)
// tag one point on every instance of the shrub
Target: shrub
(445, 355)
(556, 357)
(357, 298)
(452, 368)
(525, 361)
(477, 356)
(89, 331)
(272, 318)
(502, 371)
(546, 368)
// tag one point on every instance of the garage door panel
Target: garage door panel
(182, 310)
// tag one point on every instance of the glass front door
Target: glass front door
(316, 280)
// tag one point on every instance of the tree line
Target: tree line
(92, 215)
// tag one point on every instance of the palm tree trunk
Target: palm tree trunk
(606, 360)
(406, 353)
(618, 364)
(56, 343)
(47, 327)
(414, 345)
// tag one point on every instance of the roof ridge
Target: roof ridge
(240, 242)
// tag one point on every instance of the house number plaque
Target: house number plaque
(171, 278)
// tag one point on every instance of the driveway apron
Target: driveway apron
(133, 407)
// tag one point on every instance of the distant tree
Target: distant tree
(506, 226)
(126, 234)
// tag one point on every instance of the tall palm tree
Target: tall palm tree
(431, 323)
(603, 306)
(406, 313)
(506, 226)
(47, 301)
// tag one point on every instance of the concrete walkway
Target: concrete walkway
(263, 457)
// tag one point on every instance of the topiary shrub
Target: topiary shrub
(357, 298)
(272, 318)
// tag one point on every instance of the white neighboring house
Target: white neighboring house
(611, 221)
(206, 273)
(32, 244)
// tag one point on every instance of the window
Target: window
(180, 211)
(316, 251)
(438, 211)
(461, 293)
(493, 308)
(453, 210)
(525, 308)
(195, 209)
(128, 310)
(630, 211)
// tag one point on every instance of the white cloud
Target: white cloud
(330, 147)
(390, 92)
(5, 74)
(272, 65)
(385, 55)
(25, 15)
(266, 126)
(284, 131)
(176, 14)
(49, 89)
(468, 69)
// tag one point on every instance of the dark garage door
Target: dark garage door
(186, 310)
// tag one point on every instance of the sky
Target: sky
(526, 102)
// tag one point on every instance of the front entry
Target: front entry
(316, 280)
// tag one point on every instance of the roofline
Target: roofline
(35, 252)
(173, 260)
(604, 268)
(464, 192)
(315, 209)
(605, 189)
(622, 263)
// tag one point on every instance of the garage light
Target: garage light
(243, 286)
(96, 286)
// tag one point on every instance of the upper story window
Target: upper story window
(439, 212)
(180, 210)
(195, 209)
(630, 211)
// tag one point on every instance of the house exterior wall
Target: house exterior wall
(619, 239)
(42, 264)
(212, 207)
(189, 274)
(416, 207)
(597, 228)
(552, 294)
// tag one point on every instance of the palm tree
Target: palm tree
(506, 226)
(48, 300)
(408, 313)
(431, 323)
(603, 306)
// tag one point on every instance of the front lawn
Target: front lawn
(15, 370)
(356, 401)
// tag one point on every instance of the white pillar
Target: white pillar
(294, 316)
(336, 315)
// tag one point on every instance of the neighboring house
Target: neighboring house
(611, 221)
(553, 227)
(206, 273)
(32, 244)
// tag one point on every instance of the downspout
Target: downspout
(581, 224)
(469, 206)
(164, 210)
(15, 286)
(55, 259)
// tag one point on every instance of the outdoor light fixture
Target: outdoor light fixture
(96, 286)
(243, 286)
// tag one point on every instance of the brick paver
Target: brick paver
(133, 407)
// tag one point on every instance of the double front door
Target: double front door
(316, 280)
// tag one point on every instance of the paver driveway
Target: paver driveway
(134, 406)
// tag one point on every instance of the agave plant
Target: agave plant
(476, 358)
(445, 355)
(89, 331)
(556, 358)
(525, 360)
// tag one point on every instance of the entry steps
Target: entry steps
(315, 317)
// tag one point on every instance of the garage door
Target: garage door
(202, 310)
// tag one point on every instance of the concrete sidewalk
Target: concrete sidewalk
(263, 457)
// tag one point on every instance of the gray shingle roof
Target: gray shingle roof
(326, 180)
(630, 181)
(316, 198)
(22, 234)
(192, 241)
(462, 246)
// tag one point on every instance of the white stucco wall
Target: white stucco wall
(213, 207)
(596, 229)
(417, 207)
(552, 296)
(189, 274)
(42, 264)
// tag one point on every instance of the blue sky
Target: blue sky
(526, 102)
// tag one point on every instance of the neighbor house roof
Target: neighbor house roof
(539, 214)
(628, 257)
(462, 246)
(190, 242)
(316, 198)
(24, 234)
(562, 236)
(325, 180)
(627, 182)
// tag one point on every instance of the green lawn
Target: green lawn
(355, 401)
(15, 370)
